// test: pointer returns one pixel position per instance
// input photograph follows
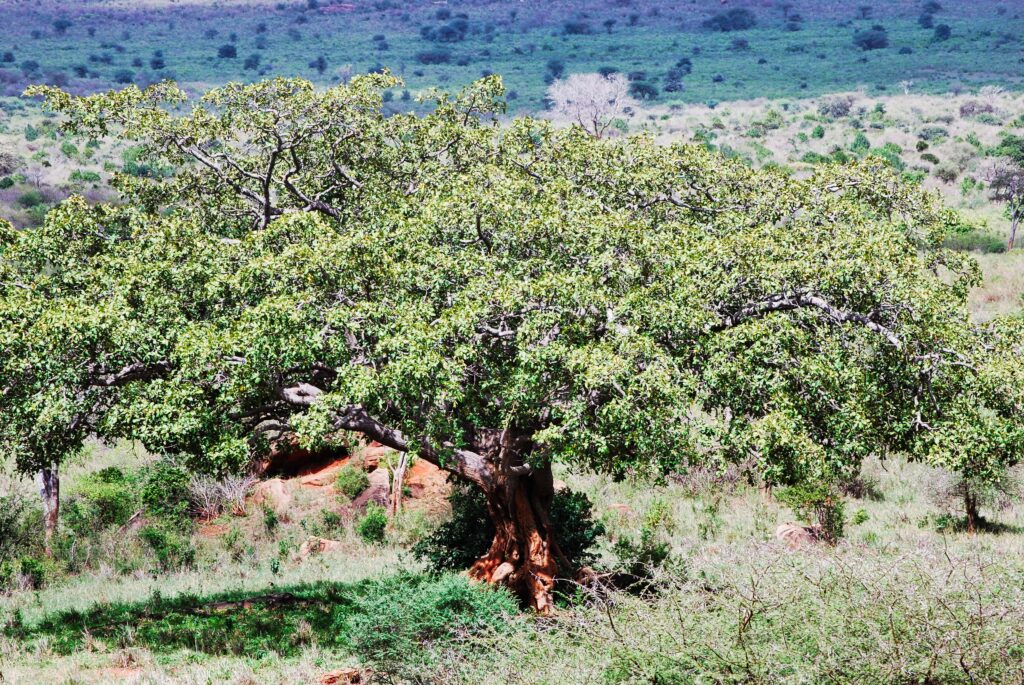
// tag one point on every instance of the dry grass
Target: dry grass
(1003, 290)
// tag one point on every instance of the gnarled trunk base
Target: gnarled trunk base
(523, 554)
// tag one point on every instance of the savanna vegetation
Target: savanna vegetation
(351, 380)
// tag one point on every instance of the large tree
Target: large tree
(493, 296)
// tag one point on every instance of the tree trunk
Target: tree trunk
(971, 507)
(523, 554)
(1014, 221)
(398, 482)
(49, 490)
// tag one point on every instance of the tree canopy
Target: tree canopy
(494, 295)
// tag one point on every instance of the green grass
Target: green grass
(278, 622)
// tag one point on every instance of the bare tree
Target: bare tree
(1005, 179)
(591, 100)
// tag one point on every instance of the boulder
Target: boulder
(373, 453)
(796, 535)
(314, 545)
(378, 491)
(343, 676)
(274, 494)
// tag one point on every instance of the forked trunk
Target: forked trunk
(523, 555)
(49, 490)
(398, 483)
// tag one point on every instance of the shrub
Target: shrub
(817, 504)
(31, 198)
(946, 173)
(136, 165)
(82, 176)
(438, 56)
(738, 19)
(818, 132)
(835, 107)
(165, 491)
(871, 39)
(403, 628)
(19, 527)
(270, 520)
(227, 51)
(173, 550)
(942, 33)
(976, 241)
(929, 157)
(576, 28)
(465, 537)
(860, 143)
(932, 133)
(373, 523)
(350, 481)
(103, 499)
(975, 107)
(642, 90)
(6, 182)
(639, 558)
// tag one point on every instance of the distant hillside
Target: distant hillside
(674, 52)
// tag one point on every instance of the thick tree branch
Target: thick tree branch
(137, 371)
(792, 301)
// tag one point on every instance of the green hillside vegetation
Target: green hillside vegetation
(692, 52)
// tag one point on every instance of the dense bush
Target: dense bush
(871, 39)
(351, 481)
(31, 198)
(20, 527)
(642, 90)
(976, 241)
(373, 523)
(173, 550)
(227, 51)
(816, 504)
(932, 133)
(106, 498)
(738, 19)
(403, 628)
(165, 491)
(437, 56)
(835, 107)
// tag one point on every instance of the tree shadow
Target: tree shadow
(256, 623)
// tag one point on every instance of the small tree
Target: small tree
(875, 38)
(591, 100)
(1005, 179)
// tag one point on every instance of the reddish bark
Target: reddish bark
(523, 555)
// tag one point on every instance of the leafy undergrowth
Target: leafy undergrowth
(377, 619)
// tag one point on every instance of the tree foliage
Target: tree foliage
(492, 296)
